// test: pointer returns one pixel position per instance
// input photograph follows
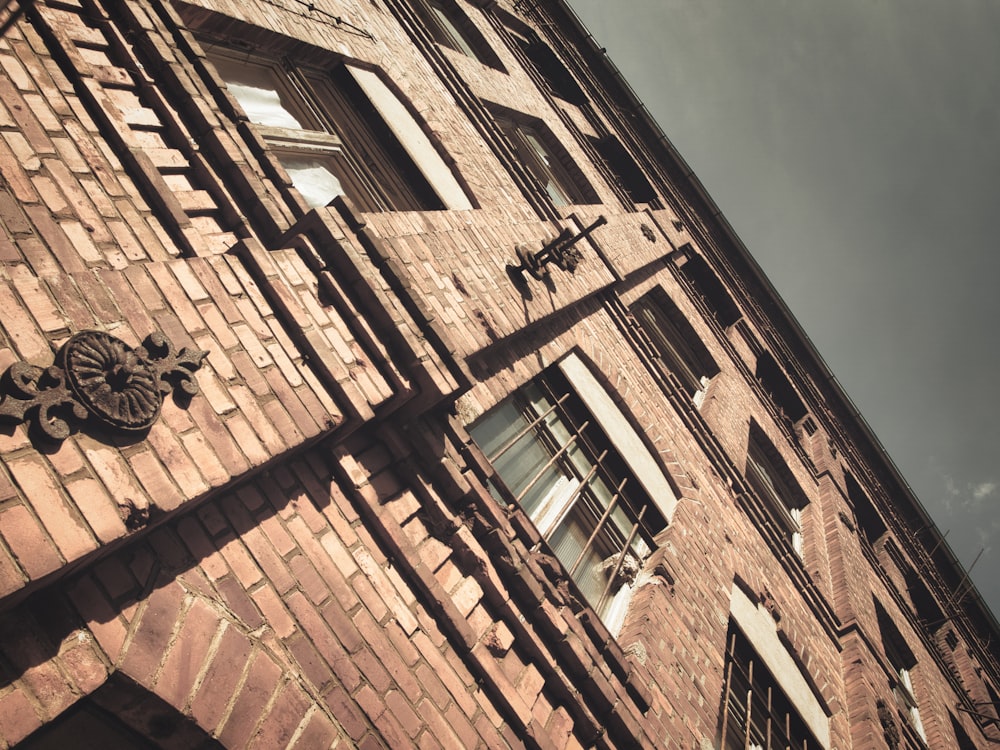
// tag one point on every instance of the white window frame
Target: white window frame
(758, 628)
(574, 492)
(310, 119)
(907, 701)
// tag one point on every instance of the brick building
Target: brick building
(377, 375)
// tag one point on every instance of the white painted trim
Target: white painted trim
(413, 139)
(758, 626)
(620, 433)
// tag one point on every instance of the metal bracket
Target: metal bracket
(559, 252)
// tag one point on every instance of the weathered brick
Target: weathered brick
(224, 673)
(279, 725)
(154, 629)
(21, 329)
(18, 718)
(182, 468)
(97, 507)
(188, 655)
(263, 679)
(31, 547)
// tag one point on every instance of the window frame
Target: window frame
(902, 662)
(545, 163)
(627, 175)
(451, 27)
(544, 62)
(741, 655)
(675, 342)
(768, 476)
(341, 128)
(591, 488)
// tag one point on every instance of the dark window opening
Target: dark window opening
(681, 350)
(452, 28)
(962, 739)
(756, 713)
(994, 704)
(557, 78)
(625, 169)
(711, 290)
(772, 480)
(869, 521)
(555, 461)
(924, 604)
(773, 379)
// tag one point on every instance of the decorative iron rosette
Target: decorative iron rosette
(101, 378)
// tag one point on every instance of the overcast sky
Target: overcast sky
(855, 148)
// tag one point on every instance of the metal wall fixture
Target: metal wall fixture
(98, 379)
(559, 252)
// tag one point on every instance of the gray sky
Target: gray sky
(855, 148)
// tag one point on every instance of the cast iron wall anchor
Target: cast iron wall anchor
(559, 252)
(97, 377)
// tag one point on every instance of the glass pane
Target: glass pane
(454, 36)
(256, 89)
(524, 460)
(313, 178)
(545, 175)
(568, 541)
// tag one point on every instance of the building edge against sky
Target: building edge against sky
(378, 375)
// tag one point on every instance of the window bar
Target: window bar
(727, 689)
(570, 502)
(532, 425)
(749, 711)
(621, 559)
(769, 723)
(599, 527)
(555, 457)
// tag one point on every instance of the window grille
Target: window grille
(553, 460)
(757, 714)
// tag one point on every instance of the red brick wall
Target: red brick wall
(322, 560)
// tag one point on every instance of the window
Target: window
(339, 130)
(773, 483)
(962, 739)
(869, 521)
(779, 389)
(902, 661)
(708, 286)
(450, 27)
(541, 161)
(757, 715)
(681, 351)
(556, 461)
(624, 168)
(554, 74)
